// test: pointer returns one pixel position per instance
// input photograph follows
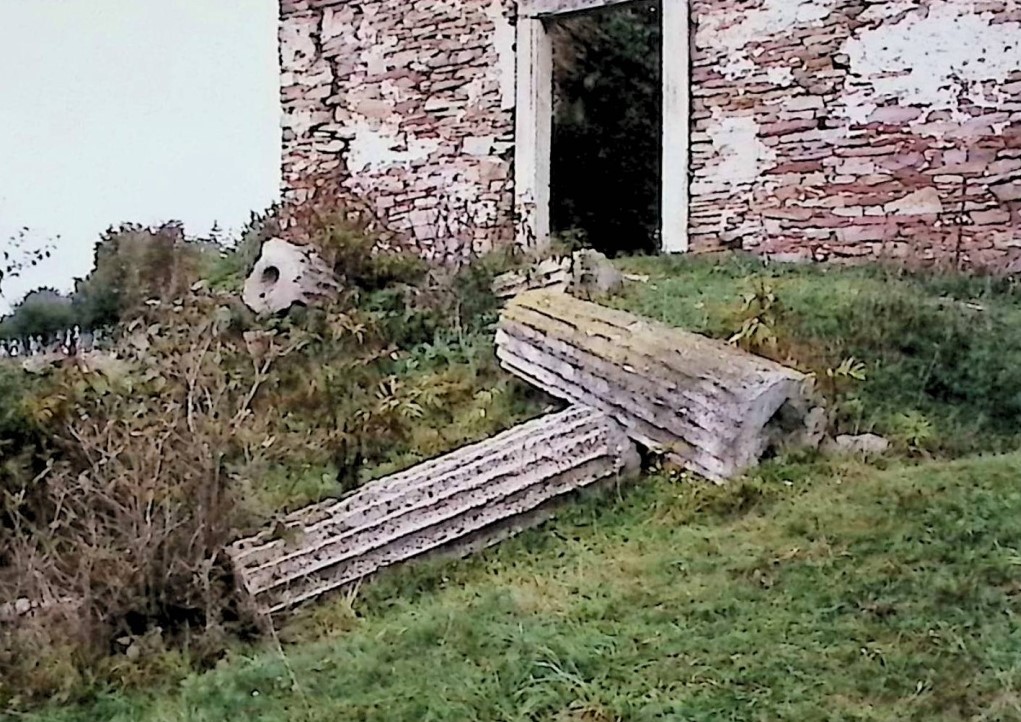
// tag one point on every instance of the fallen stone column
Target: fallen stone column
(708, 406)
(459, 503)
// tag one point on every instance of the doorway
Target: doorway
(534, 154)
(605, 153)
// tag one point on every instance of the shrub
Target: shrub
(210, 423)
(135, 505)
(151, 451)
(135, 264)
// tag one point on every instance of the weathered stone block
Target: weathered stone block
(286, 275)
(710, 407)
(456, 504)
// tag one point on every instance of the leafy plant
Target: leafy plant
(849, 373)
(912, 430)
(759, 319)
(19, 254)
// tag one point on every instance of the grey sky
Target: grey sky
(133, 110)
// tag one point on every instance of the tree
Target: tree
(135, 264)
(19, 255)
(44, 312)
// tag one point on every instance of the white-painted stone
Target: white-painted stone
(297, 48)
(923, 202)
(780, 76)
(734, 32)
(741, 156)
(478, 145)
(506, 59)
(676, 127)
(533, 131)
(888, 9)
(383, 147)
(286, 275)
(933, 60)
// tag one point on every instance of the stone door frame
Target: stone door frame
(534, 118)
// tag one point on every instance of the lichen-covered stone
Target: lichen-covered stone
(710, 407)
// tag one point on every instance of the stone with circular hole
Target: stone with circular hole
(287, 275)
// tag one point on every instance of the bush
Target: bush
(151, 451)
(135, 264)
(210, 423)
(22, 453)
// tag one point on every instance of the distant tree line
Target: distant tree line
(133, 264)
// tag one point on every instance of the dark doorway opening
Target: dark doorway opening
(606, 159)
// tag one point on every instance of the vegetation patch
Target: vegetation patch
(124, 476)
(932, 360)
(808, 592)
(812, 589)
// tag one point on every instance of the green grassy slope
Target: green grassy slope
(941, 353)
(826, 592)
(817, 590)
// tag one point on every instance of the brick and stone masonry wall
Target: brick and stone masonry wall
(821, 129)
(855, 128)
(410, 102)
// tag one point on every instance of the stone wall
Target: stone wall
(820, 128)
(853, 128)
(410, 104)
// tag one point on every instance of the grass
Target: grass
(940, 352)
(849, 593)
(815, 590)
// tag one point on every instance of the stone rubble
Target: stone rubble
(864, 445)
(586, 274)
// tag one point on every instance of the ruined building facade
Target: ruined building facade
(814, 128)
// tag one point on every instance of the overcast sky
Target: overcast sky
(133, 110)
